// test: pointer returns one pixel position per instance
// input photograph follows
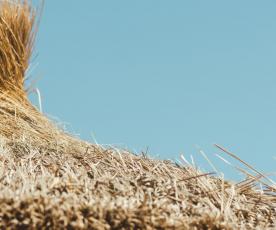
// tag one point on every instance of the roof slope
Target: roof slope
(51, 180)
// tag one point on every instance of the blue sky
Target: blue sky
(170, 76)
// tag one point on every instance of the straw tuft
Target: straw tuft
(52, 180)
(17, 26)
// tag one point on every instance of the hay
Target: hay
(51, 180)
(17, 21)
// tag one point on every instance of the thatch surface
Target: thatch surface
(107, 188)
(51, 180)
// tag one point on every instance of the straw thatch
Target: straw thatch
(51, 180)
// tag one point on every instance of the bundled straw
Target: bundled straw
(51, 180)
(18, 26)
(17, 34)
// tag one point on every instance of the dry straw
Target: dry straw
(17, 23)
(50, 180)
(18, 27)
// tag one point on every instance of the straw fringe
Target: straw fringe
(51, 180)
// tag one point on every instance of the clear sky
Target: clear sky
(170, 76)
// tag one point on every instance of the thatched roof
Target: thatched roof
(51, 180)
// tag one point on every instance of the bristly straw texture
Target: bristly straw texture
(51, 180)
(17, 24)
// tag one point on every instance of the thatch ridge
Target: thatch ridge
(52, 180)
